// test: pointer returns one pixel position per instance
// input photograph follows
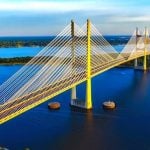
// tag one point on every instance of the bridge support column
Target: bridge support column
(88, 103)
(73, 93)
(145, 61)
(136, 61)
(145, 52)
(73, 90)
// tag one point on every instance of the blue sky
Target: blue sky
(48, 17)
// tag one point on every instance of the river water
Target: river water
(125, 128)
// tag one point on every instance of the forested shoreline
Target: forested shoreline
(39, 41)
(24, 60)
(43, 41)
(15, 60)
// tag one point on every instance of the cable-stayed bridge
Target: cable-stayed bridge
(74, 56)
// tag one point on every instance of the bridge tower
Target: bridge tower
(144, 67)
(145, 51)
(88, 103)
(136, 61)
(73, 91)
(74, 100)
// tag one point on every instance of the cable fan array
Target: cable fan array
(51, 65)
(62, 63)
(135, 46)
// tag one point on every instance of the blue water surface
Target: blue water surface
(19, 52)
(125, 128)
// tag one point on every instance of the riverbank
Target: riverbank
(15, 60)
(24, 60)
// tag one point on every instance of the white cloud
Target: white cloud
(52, 6)
(130, 19)
(40, 6)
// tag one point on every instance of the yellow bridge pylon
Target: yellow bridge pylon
(145, 50)
(136, 61)
(88, 82)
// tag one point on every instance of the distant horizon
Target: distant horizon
(56, 35)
